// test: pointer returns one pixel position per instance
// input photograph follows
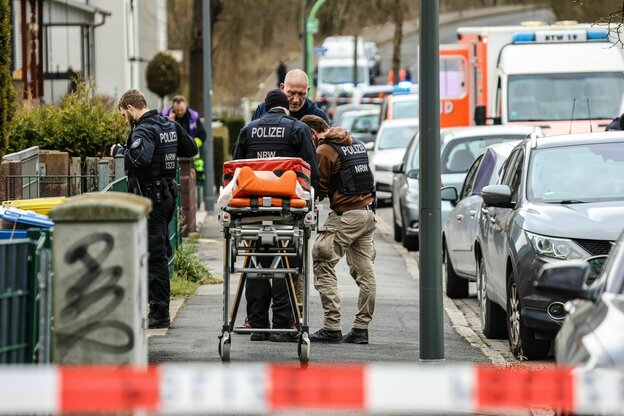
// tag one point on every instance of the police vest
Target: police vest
(269, 136)
(164, 159)
(355, 176)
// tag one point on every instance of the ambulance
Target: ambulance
(566, 77)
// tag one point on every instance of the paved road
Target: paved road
(393, 334)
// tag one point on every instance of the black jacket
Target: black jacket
(309, 108)
(300, 141)
(144, 140)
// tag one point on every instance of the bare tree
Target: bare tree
(399, 14)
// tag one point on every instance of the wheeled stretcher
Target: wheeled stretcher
(268, 214)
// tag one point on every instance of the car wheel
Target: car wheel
(493, 318)
(522, 341)
(397, 228)
(456, 286)
(410, 242)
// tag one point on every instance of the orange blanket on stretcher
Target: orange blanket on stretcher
(248, 184)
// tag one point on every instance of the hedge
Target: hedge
(82, 125)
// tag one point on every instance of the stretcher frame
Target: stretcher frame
(283, 233)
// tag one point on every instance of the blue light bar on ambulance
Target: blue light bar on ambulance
(598, 34)
(561, 36)
(523, 37)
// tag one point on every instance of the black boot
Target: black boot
(329, 337)
(159, 318)
(356, 336)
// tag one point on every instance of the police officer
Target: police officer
(150, 156)
(346, 179)
(296, 87)
(275, 134)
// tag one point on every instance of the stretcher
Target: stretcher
(268, 213)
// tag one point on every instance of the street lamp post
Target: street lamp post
(208, 149)
(431, 317)
(312, 26)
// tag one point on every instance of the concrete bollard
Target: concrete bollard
(119, 167)
(100, 279)
(103, 174)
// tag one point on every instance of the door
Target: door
(498, 222)
(461, 219)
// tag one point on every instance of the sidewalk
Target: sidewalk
(394, 331)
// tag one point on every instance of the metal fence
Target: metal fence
(36, 186)
(25, 305)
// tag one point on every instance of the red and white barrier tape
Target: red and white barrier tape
(262, 388)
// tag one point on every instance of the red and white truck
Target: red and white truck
(562, 77)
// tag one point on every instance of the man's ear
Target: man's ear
(282, 86)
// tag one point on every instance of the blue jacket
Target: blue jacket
(309, 107)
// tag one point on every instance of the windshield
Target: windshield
(340, 74)
(544, 97)
(405, 109)
(579, 173)
(396, 137)
(365, 124)
(347, 121)
(457, 155)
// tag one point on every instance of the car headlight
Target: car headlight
(558, 248)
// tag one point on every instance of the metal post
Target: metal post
(208, 154)
(431, 317)
(355, 61)
(312, 28)
(305, 35)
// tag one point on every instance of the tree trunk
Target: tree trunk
(397, 40)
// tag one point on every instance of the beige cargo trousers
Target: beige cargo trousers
(352, 234)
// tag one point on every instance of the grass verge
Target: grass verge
(189, 272)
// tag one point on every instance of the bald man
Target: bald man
(296, 88)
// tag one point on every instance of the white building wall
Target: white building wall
(136, 29)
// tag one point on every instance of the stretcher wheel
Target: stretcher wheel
(303, 348)
(224, 348)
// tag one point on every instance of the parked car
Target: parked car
(557, 198)
(390, 144)
(361, 124)
(336, 119)
(398, 106)
(459, 232)
(459, 148)
(590, 335)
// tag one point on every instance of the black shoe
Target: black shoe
(356, 336)
(159, 323)
(284, 337)
(259, 336)
(329, 337)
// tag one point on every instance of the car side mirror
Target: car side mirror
(498, 196)
(565, 278)
(479, 115)
(449, 193)
(413, 173)
(369, 146)
(397, 168)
